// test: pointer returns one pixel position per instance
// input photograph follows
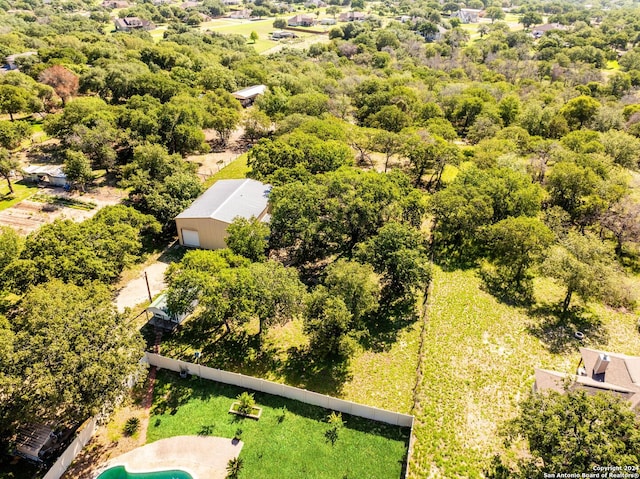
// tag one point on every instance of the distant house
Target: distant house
(189, 4)
(467, 15)
(352, 17)
(10, 60)
(540, 30)
(47, 174)
(328, 21)
(231, 2)
(204, 224)
(315, 3)
(281, 34)
(435, 36)
(111, 4)
(302, 21)
(408, 18)
(161, 317)
(129, 24)
(247, 96)
(241, 14)
(598, 371)
(284, 7)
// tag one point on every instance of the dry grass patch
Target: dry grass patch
(479, 359)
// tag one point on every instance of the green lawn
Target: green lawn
(236, 169)
(21, 189)
(293, 447)
(479, 359)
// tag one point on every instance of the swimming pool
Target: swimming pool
(119, 472)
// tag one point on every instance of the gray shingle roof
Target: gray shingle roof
(227, 199)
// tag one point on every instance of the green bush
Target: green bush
(131, 426)
(246, 403)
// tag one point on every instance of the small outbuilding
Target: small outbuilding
(161, 316)
(247, 96)
(45, 174)
(281, 34)
(204, 224)
(33, 441)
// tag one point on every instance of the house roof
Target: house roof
(250, 92)
(621, 376)
(227, 199)
(547, 27)
(132, 22)
(302, 18)
(159, 303)
(49, 170)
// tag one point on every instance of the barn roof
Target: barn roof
(227, 199)
(250, 92)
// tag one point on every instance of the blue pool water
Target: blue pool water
(119, 472)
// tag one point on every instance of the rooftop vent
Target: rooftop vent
(601, 364)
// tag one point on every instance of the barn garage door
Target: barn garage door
(190, 238)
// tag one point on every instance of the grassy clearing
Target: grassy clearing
(612, 65)
(22, 191)
(386, 378)
(235, 170)
(292, 447)
(381, 376)
(478, 363)
(262, 27)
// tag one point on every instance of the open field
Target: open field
(479, 357)
(292, 446)
(244, 27)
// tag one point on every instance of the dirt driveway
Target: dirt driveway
(135, 292)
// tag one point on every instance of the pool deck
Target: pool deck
(203, 457)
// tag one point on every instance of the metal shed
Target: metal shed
(51, 174)
(162, 317)
(204, 224)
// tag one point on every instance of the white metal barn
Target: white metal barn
(204, 224)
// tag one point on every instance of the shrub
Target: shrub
(336, 422)
(234, 466)
(131, 426)
(246, 403)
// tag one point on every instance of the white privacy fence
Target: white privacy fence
(269, 387)
(85, 433)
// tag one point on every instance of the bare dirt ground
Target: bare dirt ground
(213, 162)
(109, 442)
(135, 291)
(28, 216)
